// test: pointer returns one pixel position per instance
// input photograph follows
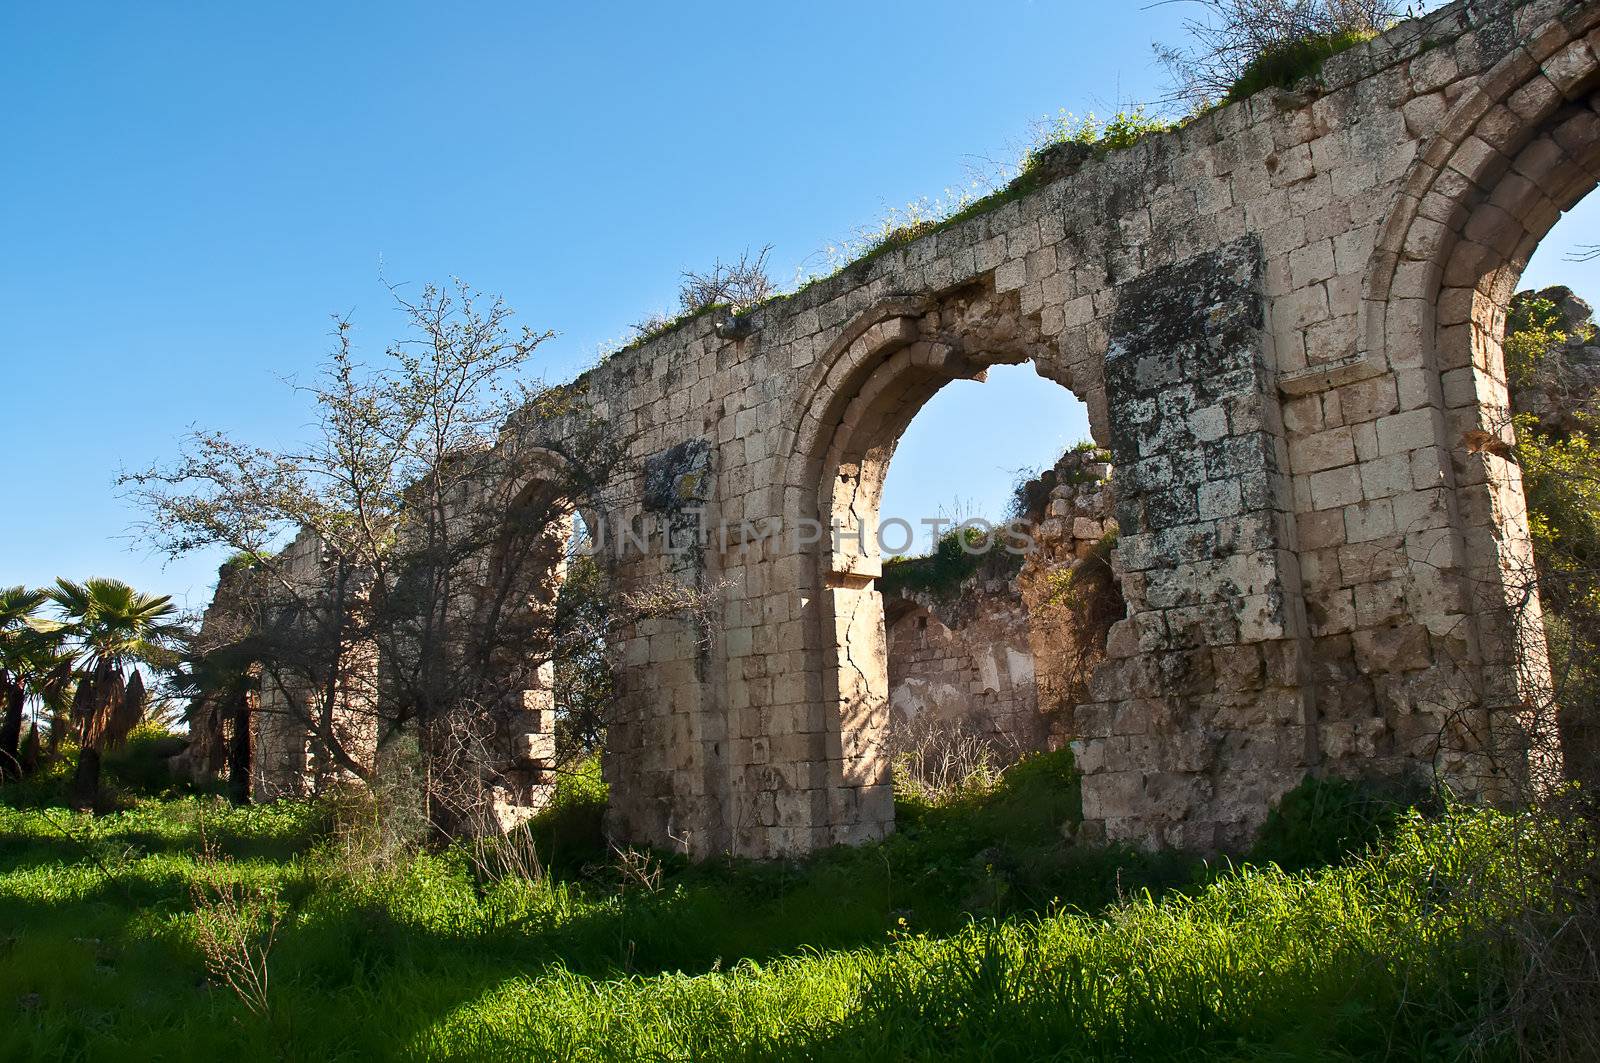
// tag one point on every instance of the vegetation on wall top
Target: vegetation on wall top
(1236, 48)
(960, 554)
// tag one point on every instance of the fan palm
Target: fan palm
(31, 664)
(218, 684)
(115, 629)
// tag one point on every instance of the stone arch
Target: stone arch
(1492, 121)
(857, 403)
(1518, 149)
(1480, 196)
(523, 571)
(539, 491)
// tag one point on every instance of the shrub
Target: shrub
(733, 286)
(1533, 331)
(571, 828)
(958, 555)
(139, 766)
(739, 285)
(1285, 64)
(1324, 820)
(1239, 47)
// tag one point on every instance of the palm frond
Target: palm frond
(71, 598)
(54, 687)
(18, 604)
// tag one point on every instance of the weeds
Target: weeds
(935, 763)
(636, 869)
(236, 923)
(958, 555)
(1055, 144)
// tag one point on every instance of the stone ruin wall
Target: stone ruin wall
(963, 668)
(288, 758)
(211, 718)
(998, 657)
(1074, 526)
(1281, 319)
(1284, 318)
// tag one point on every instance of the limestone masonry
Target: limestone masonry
(1284, 318)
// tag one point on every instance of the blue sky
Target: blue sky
(190, 191)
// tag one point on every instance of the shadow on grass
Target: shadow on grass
(365, 964)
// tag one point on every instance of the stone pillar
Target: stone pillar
(1201, 717)
(666, 756)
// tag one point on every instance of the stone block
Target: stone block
(1219, 499)
(1411, 430)
(1367, 521)
(1322, 450)
(1334, 488)
(1393, 648)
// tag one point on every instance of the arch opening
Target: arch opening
(1515, 158)
(930, 660)
(538, 624)
(972, 682)
(1512, 428)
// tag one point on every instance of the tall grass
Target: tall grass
(976, 932)
(1378, 959)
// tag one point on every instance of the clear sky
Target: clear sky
(191, 190)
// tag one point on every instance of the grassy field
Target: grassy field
(976, 932)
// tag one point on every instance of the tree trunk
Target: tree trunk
(239, 751)
(30, 750)
(86, 780)
(11, 730)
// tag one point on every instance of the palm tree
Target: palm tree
(219, 685)
(31, 664)
(51, 684)
(114, 628)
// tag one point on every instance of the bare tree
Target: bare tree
(738, 284)
(735, 285)
(405, 565)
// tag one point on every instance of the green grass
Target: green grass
(975, 932)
